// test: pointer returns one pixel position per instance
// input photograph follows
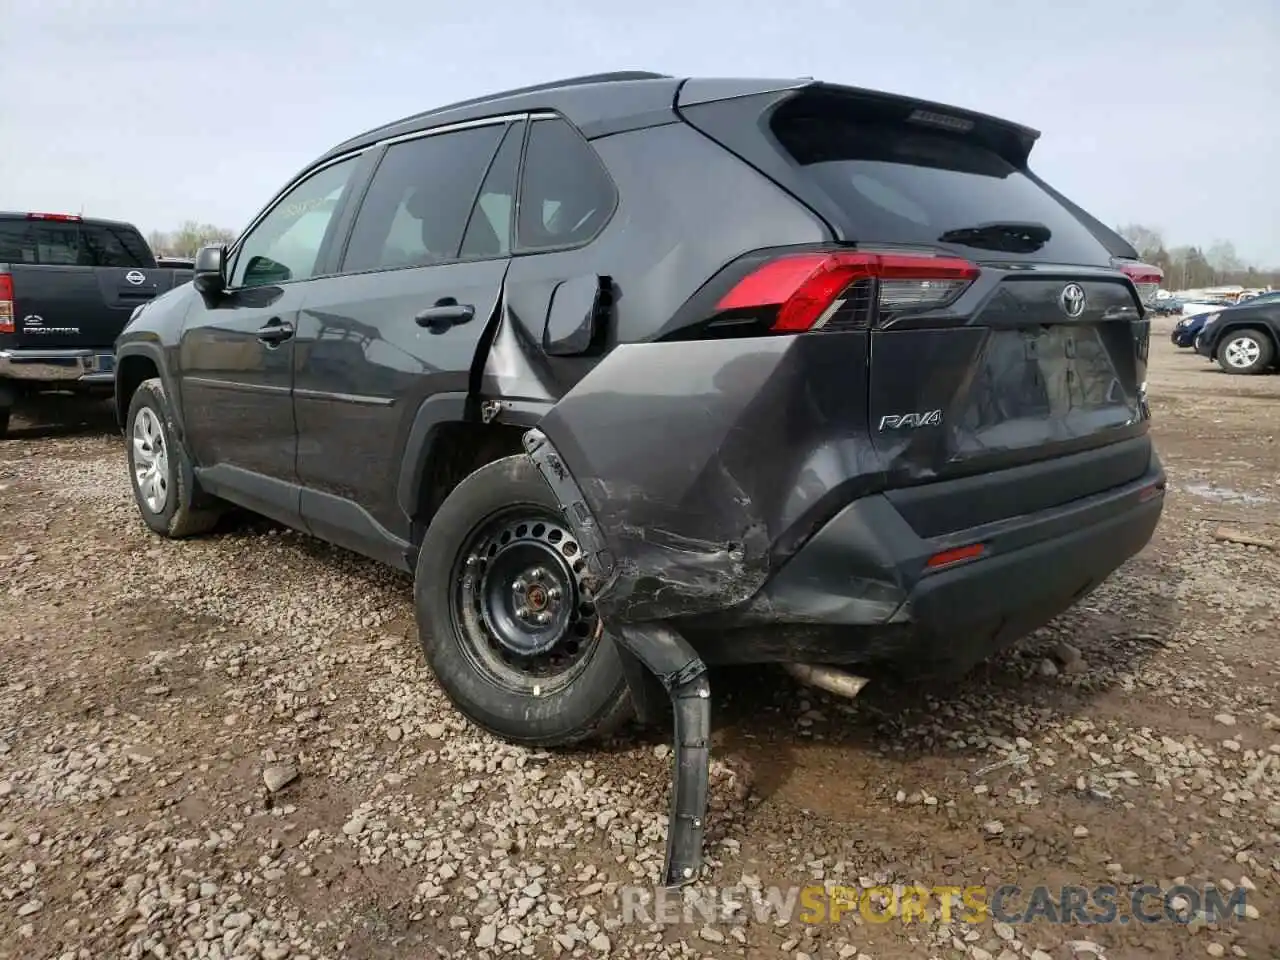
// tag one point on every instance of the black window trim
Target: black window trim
(333, 250)
(615, 198)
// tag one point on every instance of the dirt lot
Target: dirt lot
(147, 686)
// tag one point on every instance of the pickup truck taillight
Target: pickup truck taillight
(6, 303)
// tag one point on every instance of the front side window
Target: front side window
(417, 206)
(566, 195)
(285, 244)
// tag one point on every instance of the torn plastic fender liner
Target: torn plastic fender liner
(668, 656)
(684, 676)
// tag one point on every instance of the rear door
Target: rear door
(421, 277)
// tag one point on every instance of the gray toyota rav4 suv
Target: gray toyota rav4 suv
(635, 373)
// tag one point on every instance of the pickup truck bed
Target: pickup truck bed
(67, 289)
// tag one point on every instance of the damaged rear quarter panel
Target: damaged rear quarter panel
(696, 457)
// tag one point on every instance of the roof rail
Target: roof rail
(616, 76)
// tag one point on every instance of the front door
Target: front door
(236, 353)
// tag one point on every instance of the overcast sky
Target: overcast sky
(157, 111)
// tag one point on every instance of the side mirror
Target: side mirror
(210, 271)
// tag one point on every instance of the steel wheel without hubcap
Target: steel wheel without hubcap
(150, 460)
(1242, 352)
(519, 603)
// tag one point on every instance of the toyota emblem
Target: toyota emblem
(135, 277)
(1072, 300)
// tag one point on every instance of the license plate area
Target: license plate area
(1048, 383)
(1047, 372)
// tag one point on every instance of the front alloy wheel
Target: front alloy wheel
(150, 460)
(164, 485)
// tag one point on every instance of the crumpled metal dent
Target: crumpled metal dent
(659, 573)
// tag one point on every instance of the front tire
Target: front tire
(160, 473)
(503, 616)
(1245, 352)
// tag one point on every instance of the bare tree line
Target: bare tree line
(187, 239)
(1191, 267)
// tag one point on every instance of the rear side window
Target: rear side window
(566, 195)
(417, 206)
(900, 183)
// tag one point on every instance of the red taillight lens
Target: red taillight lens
(1146, 278)
(6, 303)
(70, 217)
(806, 289)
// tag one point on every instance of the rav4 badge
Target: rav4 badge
(900, 421)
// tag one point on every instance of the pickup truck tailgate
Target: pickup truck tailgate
(73, 306)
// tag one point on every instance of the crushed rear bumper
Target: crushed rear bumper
(860, 591)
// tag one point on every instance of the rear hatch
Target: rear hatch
(75, 282)
(1003, 323)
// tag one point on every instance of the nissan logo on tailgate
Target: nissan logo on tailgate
(134, 277)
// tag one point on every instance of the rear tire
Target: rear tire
(497, 558)
(1245, 352)
(4, 421)
(160, 473)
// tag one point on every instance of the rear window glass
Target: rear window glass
(70, 244)
(17, 242)
(58, 244)
(902, 184)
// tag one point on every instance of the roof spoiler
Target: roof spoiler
(1012, 141)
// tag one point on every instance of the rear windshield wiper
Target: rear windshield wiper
(1009, 237)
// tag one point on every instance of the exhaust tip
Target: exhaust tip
(832, 679)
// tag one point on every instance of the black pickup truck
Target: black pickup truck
(68, 285)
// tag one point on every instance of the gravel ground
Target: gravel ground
(229, 747)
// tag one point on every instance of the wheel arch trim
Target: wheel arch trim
(152, 352)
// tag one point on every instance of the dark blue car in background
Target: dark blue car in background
(1187, 329)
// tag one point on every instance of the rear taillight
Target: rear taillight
(6, 303)
(1146, 278)
(65, 217)
(808, 291)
